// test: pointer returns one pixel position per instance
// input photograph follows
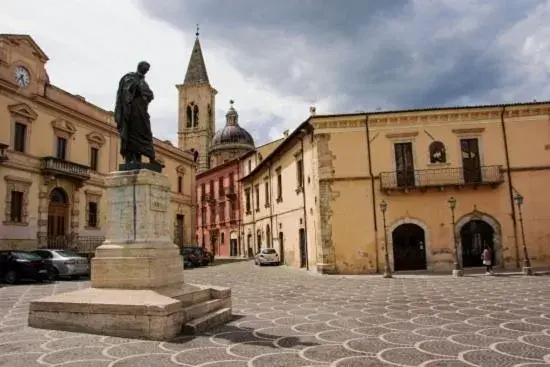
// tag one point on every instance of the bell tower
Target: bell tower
(196, 109)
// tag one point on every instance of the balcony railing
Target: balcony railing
(441, 177)
(230, 191)
(56, 166)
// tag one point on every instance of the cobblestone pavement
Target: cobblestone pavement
(285, 317)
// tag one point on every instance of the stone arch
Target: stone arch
(427, 236)
(492, 222)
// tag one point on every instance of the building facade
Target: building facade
(57, 150)
(317, 197)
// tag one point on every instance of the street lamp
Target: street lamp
(457, 270)
(527, 270)
(387, 270)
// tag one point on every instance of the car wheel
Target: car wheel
(11, 277)
(51, 275)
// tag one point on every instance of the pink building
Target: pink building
(219, 222)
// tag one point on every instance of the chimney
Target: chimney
(285, 133)
(312, 110)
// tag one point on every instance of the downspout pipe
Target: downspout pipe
(373, 193)
(510, 185)
(269, 202)
(303, 132)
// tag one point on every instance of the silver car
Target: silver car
(66, 263)
(267, 256)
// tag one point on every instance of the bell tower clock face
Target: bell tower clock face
(22, 76)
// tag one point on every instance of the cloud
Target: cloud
(360, 54)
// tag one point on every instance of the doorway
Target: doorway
(258, 241)
(409, 247)
(281, 248)
(233, 244)
(179, 229)
(474, 236)
(404, 164)
(58, 218)
(268, 236)
(471, 163)
(303, 255)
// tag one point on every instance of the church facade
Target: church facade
(56, 149)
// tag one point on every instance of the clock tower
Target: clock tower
(196, 109)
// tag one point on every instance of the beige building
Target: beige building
(57, 150)
(316, 198)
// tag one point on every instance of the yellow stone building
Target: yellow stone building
(316, 198)
(56, 150)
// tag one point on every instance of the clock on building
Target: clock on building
(22, 76)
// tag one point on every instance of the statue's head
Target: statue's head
(143, 67)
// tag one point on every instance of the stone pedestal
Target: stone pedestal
(137, 287)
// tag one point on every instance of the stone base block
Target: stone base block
(458, 273)
(141, 314)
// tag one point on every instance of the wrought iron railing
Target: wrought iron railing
(60, 166)
(440, 177)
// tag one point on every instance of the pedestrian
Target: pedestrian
(486, 257)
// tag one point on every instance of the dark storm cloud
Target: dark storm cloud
(360, 54)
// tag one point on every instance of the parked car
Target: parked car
(18, 265)
(195, 256)
(267, 256)
(66, 263)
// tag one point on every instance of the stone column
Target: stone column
(138, 252)
(43, 203)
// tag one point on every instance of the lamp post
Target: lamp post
(527, 270)
(457, 270)
(387, 270)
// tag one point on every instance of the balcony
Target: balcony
(440, 178)
(230, 192)
(59, 167)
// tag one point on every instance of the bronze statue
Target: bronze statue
(132, 119)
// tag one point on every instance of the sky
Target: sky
(278, 58)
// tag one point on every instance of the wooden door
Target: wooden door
(57, 224)
(471, 164)
(404, 164)
(303, 244)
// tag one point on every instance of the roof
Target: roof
(285, 142)
(196, 70)
(41, 54)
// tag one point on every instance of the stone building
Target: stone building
(316, 198)
(56, 150)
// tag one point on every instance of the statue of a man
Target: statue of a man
(131, 116)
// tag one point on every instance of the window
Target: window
(94, 158)
(279, 185)
(257, 192)
(233, 208)
(220, 186)
(20, 137)
(437, 152)
(203, 192)
(232, 182)
(212, 215)
(266, 189)
(300, 173)
(247, 201)
(249, 165)
(203, 216)
(180, 184)
(16, 213)
(61, 152)
(92, 214)
(212, 188)
(222, 212)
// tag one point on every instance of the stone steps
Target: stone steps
(207, 321)
(194, 297)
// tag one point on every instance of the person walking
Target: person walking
(487, 257)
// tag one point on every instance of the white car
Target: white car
(267, 256)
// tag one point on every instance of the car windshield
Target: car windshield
(269, 251)
(67, 253)
(26, 255)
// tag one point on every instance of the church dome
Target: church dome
(232, 136)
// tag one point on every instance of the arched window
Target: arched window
(437, 152)
(195, 116)
(189, 116)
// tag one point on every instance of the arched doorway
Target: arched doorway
(474, 236)
(409, 247)
(58, 218)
